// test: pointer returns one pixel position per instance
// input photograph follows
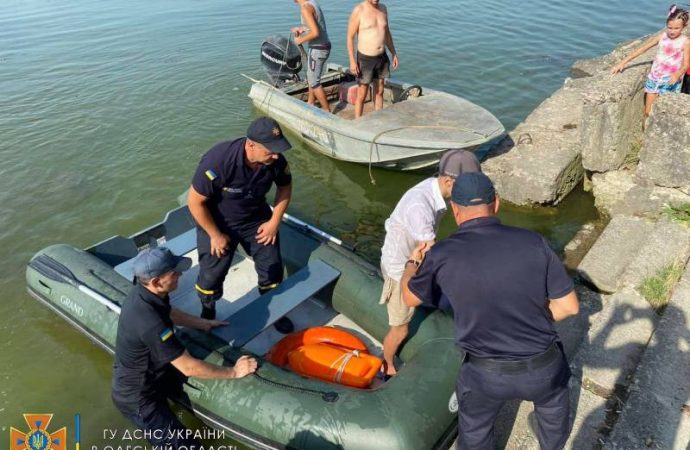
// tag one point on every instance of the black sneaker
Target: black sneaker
(208, 310)
(284, 325)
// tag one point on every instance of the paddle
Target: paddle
(56, 271)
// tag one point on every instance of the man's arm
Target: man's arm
(352, 30)
(308, 18)
(389, 41)
(267, 232)
(564, 307)
(417, 255)
(197, 207)
(183, 319)
(192, 367)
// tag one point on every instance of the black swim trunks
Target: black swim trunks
(373, 67)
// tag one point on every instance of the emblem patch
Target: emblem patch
(211, 175)
(165, 334)
(275, 131)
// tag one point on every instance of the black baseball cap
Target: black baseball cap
(472, 189)
(456, 161)
(267, 132)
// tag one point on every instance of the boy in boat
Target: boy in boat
(414, 220)
(369, 23)
(313, 31)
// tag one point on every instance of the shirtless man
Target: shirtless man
(369, 22)
(313, 31)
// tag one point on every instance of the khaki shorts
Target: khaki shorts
(398, 311)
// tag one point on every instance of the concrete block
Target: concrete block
(668, 243)
(656, 413)
(612, 118)
(588, 416)
(542, 169)
(615, 343)
(621, 192)
(665, 154)
(614, 251)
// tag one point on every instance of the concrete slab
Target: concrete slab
(656, 414)
(615, 249)
(615, 343)
(668, 243)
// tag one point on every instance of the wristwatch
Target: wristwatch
(412, 261)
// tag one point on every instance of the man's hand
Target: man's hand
(420, 251)
(354, 68)
(267, 232)
(208, 325)
(244, 366)
(219, 245)
(396, 63)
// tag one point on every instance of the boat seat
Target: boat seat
(179, 245)
(248, 322)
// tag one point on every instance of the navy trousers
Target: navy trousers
(482, 392)
(213, 270)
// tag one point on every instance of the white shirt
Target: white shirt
(415, 219)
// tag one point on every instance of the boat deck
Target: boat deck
(240, 290)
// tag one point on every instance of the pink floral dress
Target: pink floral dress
(668, 60)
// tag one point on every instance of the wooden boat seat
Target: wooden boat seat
(179, 245)
(265, 310)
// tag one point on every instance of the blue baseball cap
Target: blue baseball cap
(154, 262)
(267, 132)
(473, 188)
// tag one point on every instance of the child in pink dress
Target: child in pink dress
(672, 59)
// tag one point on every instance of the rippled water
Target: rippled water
(106, 107)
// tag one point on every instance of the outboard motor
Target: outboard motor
(281, 59)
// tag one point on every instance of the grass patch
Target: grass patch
(657, 289)
(678, 213)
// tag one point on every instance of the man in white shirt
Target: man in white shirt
(414, 221)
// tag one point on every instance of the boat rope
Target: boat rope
(437, 127)
(327, 396)
(343, 360)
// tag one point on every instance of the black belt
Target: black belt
(326, 46)
(522, 365)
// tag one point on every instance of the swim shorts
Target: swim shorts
(661, 87)
(373, 67)
(315, 63)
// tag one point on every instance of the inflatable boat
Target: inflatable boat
(327, 286)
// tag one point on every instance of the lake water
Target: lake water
(106, 107)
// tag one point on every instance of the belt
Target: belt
(519, 366)
(326, 46)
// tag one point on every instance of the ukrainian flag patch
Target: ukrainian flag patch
(211, 175)
(165, 334)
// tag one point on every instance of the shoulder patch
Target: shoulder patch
(211, 175)
(286, 170)
(166, 334)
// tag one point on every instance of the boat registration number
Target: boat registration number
(316, 134)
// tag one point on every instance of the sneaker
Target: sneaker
(284, 325)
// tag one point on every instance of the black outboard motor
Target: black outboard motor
(281, 59)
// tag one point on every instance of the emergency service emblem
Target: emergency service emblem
(275, 131)
(38, 437)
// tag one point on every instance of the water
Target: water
(106, 107)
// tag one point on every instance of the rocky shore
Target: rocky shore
(629, 347)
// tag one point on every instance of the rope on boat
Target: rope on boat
(438, 127)
(329, 396)
(343, 360)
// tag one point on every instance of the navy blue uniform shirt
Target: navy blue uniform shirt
(236, 192)
(498, 280)
(144, 348)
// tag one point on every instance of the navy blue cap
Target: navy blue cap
(473, 188)
(157, 261)
(267, 132)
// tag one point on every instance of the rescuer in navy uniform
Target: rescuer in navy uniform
(151, 364)
(506, 288)
(228, 201)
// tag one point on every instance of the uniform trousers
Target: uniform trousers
(483, 391)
